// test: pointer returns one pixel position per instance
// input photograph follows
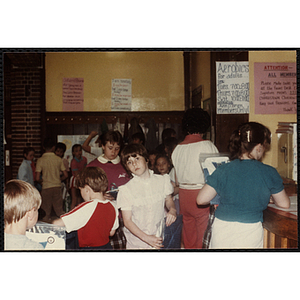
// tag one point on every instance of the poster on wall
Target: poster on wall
(72, 94)
(121, 95)
(275, 87)
(232, 87)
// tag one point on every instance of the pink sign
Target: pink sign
(275, 87)
(72, 94)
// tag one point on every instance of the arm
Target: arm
(171, 215)
(38, 177)
(281, 199)
(112, 232)
(65, 175)
(152, 240)
(85, 146)
(206, 194)
(58, 222)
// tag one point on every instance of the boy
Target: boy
(60, 149)
(50, 165)
(96, 219)
(142, 201)
(21, 204)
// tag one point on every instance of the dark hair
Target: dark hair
(27, 150)
(167, 132)
(170, 143)
(132, 150)
(48, 143)
(94, 177)
(246, 137)
(195, 120)
(61, 146)
(112, 137)
(161, 155)
(140, 136)
(75, 146)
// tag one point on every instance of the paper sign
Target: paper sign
(72, 94)
(275, 87)
(121, 94)
(232, 87)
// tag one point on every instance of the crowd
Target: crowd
(132, 197)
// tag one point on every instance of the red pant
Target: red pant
(195, 219)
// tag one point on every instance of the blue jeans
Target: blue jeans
(172, 235)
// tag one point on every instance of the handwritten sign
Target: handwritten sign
(232, 87)
(121, 94)
(72, 94)
(275, 87)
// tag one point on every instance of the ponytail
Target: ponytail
(246, 137)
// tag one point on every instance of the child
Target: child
(162, 164)
(50, 165)
(110, 162)
(138, 138)
(21, 204)
(190, 176)
(152, 155)
(60, 149)
(245, 185)
(78, 163)
(94, 220)
(25, 171)
(142, 201)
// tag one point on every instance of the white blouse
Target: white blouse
(146, 200)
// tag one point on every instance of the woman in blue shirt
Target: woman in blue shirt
(245, 186)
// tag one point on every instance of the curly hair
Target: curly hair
(246, 137)
(195, 120)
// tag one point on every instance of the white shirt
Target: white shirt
(146, 200)
(186, 161)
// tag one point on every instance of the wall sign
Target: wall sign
(275, 87)
(121, 94)
(232, 87)
(72, 94)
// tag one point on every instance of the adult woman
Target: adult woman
(190, 177)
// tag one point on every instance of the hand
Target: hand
(171, 217)
(154, 241)
(93, 133)
(108, 196)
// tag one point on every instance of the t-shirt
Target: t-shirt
(50, 165)
(25, 172)
(145, 198)
(116, 174)
(93, 221)
(245, 187)
(78, 164)
(20, 242)
(186, 161)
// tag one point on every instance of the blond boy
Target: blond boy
(21, 204)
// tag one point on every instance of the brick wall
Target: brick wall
(26, 99)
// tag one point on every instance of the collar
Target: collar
(192, 138)
(78, 160)
(104, 160)
(139, 178)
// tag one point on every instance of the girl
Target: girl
(26, 168)
(245, 186)
(78, 163)
(142, 201)
(162, 164)
(190, 176)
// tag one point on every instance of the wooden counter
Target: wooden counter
(281, 226)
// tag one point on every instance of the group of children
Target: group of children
(139, 199)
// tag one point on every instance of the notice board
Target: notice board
(275, 87)
(232, 87)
